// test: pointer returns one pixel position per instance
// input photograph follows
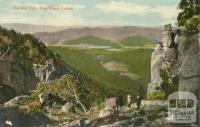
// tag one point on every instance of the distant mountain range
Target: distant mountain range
(60, 35)
(133, 41)
(30, 28)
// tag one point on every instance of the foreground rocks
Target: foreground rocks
(11, 114)
(122, 121)
(16, 101)
(68, 108)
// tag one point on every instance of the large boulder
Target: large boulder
(68, 108)
(110, 107)
(12, 115)
(155, 104)
(16, 101)
(106, 112)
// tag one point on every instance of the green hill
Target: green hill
(137, 41)
(90, 62)
(91, 40)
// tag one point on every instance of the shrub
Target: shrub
(170, 83)
(157, 96)
(30, 108)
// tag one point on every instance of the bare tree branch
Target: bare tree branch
(72, 92)
(6, 52)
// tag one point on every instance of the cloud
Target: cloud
(61, 20)
(122, 7)
(167, 12)
(58, 17)
(130, 14)
(35, 6)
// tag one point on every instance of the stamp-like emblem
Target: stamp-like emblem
(182, 107)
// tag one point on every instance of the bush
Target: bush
(88, 94)
(170, 83)
(157, 96)
(30, 108)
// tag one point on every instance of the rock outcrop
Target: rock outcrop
(163, 58)
(52, 69)
(156, 66)
(12, 116)
(179, 54)
(43, 72)
(15, 81)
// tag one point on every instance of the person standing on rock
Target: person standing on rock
(50, 99)
(129, 100)
(42, 100)
(138, 102)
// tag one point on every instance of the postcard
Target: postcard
(99, 63)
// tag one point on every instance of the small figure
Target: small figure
(129, 100)
(59, 100)
(42, 100)
(117, 108)
(138, 102)
(50, 99)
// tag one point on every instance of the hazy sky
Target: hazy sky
(89, 12)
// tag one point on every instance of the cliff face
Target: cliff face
(18, 54)
(4, 71)
(189, 64)
(23, 81)
(52, 69)
(178, 53)
(17, 81)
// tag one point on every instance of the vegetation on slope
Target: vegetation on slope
(89, 62)
(68, 88)
(133, 41)
(91, 40)
(137, 41)
(24, 49)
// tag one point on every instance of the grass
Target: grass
(137, 41)
(88, 62)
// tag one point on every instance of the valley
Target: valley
(124, 65)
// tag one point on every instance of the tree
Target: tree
(188, 18)
(71, 90)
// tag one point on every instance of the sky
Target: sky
(89, 12)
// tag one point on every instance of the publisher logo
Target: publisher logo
(182, 107)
